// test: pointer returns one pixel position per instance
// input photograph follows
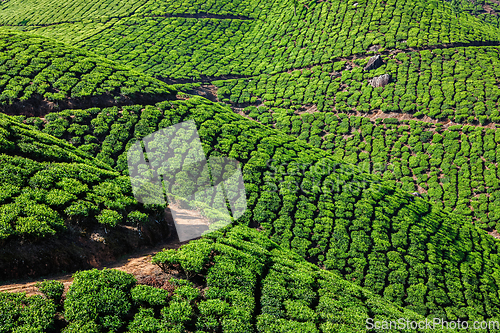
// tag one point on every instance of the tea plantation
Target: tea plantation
(367, 134)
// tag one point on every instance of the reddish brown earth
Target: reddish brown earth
(81, 248)
(139, 264)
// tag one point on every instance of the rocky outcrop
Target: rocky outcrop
(374, 63)
(381, 81)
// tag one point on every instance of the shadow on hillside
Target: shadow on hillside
(39, 107)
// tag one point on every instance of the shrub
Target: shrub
(52, 289)
(142, 294)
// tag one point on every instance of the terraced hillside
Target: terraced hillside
(295, 295)
(371, 181)
(343, 220)
(39, 75)
(51, 195)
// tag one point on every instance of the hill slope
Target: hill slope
(175, 40)
(379, 237)
(38, 75)
(56, 201)
(242, 283)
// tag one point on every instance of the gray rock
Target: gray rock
(374, 63)
(381, 81)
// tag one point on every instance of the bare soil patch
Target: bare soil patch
(139, 264)
(81, 248)
(489, 10)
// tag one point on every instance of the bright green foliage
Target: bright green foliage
(296, 42)
(157, 37)
(137, 217)
(82, 327)
(192, 262)
(19, 313)
(350, 222)
(452, 83)
(144, 322)
(52, 289)
(186, 292)
(294, 295)
(46, 182)
(109, 217)
(454, 167)
(478, 9)
(289, 286)
(385, 252)
(34, 12)
(36, 67)
(165, 259)
(102, 297)
(19, 139)
(143, 294)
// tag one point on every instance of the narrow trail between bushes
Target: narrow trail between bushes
(137, 263)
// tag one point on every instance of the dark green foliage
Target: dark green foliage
(150, 296)
(46, 182)
(348, 221)
(413, 155)
(305, 38)
(310, 202)
(465, 91)
(294, 296)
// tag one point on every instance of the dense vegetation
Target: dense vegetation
(279, 37)
(454, 166)
(352, 217)
(47, 184)
(34, 67)
(381, 238)
(227, 271)
(459, 84)
(280, 40)
(487, 10)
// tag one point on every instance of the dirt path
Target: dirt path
(138, 264)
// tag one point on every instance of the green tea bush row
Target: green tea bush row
(249, 285)
(348, 221)
(19, 313)
(455, 167)
(478, 9)
(47, 183)
(281, 40)
(161, 47)
(302, 34)
(459, 84)
(44, 12)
